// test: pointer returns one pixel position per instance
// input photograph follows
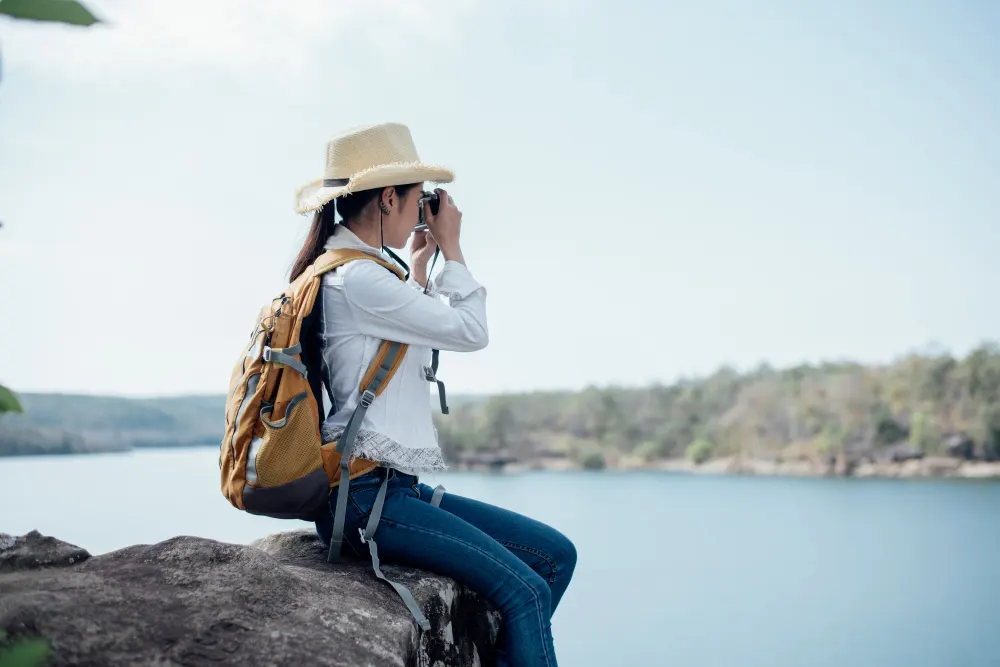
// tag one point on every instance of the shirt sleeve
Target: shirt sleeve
(387, 308)
(431, 286)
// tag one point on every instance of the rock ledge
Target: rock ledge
(193, 601)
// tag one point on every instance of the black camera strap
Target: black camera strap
(431, 373)
(398, 260)
(427, 284)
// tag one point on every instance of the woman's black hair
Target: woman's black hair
(324, 220)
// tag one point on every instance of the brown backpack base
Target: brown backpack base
(272, 459)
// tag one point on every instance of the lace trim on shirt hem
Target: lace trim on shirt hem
(377, 447)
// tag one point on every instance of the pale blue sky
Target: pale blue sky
(650, 189)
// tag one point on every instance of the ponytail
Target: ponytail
(322, 226)
(324, 220)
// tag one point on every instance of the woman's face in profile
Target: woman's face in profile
(404, 217)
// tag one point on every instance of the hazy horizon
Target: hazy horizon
(930, 349)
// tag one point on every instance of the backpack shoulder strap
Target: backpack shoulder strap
(331, 259)
(383, 366)
(389, 355)
(305, 288)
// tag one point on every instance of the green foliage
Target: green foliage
(831, 438)
(58, 11)
(8, 401)
(830, 409)
(888, 431)
(649, 450)
(990, 431)
(593, 461)
(924, 433)
(826, 409)
(23, 652)
(699, 451)
(66, 423)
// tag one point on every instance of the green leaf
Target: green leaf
(27, 653)
(8, 401)
(60, 11)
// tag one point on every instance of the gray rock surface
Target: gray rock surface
(34, 550)
(192, 601)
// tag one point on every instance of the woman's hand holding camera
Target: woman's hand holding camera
(446, 226)
(422, 247)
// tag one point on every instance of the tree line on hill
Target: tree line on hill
(929, 403)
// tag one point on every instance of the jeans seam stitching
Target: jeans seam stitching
(551, 562)
(491, 557)
(357, 506)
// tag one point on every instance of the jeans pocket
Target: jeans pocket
(362, 491)
(360, 501)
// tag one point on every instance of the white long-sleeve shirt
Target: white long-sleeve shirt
(364, 304)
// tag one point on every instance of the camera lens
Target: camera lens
(434, 200)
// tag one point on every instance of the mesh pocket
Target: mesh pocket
(290, 447)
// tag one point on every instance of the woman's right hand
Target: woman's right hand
(446, 226)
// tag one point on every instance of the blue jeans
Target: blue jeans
(521, 565)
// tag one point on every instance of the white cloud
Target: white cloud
(241, 37)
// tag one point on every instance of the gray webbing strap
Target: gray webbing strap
(438, 495)
(430, 373)
(367, 536)
(346, 445)
(294, 349)
(284, 357)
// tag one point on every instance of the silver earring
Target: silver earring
(385, 209)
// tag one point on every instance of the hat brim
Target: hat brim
(313, 196)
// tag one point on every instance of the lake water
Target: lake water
(674, 570)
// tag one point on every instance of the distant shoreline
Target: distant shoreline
(920, 416)
(932, 467)
(929, 467)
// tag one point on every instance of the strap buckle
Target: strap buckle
(266, 355)
(363, 539)
(367, 398)
(429, 374)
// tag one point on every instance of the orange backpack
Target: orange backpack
(272, 457)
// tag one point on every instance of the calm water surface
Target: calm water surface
(674, 570)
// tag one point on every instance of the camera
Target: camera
(433, 198)
(435, 202)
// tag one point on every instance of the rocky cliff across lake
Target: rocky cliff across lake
(899, 464)
(192, 601)
(938, 467)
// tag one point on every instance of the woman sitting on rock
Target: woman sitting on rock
(374, 180)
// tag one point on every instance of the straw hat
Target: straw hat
(365, 157)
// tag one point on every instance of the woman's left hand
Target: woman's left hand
(422, 247)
